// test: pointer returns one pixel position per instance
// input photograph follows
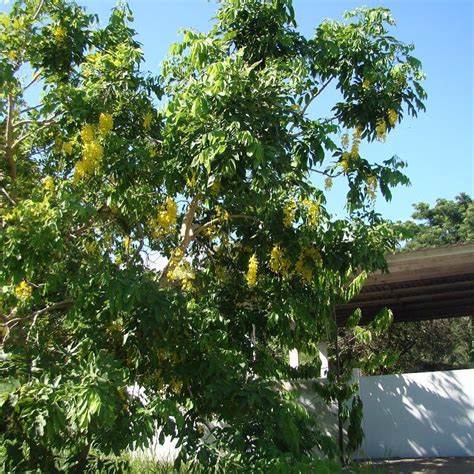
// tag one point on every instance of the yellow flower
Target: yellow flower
(278, 262)
(356, 142)
(215, 188)
(147, 121)
(366, 84)
(190, 182)
(12, 55)
(59, 33)
(166, 218)
(372, 184)
(92, 153)
(392, 117)
(87, 133)
(127, 242)
(289, 212)
(176, 385)
(312, 211)
(345, 141)
(48, 183)
(328, 183)
(381, 130)
(304, 271)
(58, 143)
(106, 123)
(67, 147)
(251, 276)
(345, 161)
(23, 291)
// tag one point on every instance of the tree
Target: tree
(209, 166)
(440, 344)
(448, 222)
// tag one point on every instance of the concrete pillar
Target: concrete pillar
(294, 359)
(323, 356)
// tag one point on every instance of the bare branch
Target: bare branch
(38, 10)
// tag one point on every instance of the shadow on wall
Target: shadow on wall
(427, 414)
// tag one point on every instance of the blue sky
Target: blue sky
(438, 145)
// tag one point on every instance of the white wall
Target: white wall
(423, 414)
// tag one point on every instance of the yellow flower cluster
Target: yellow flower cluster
(23, 291)
(182, 273)
(215, 188)
(191, 181)
(366, 84)
(176, 385)
(222, 214)
(345, 161)
(345, 141)
(106, 123)
(166, 218)
(48, 183)
(92, 153)
(87, 133)
(381, 130)
(127, 243)
(303, 267)
(328, 183)
(312, 211)
(251, 276)
(68, 147)
(371, 186)
(59, 33)
(278, 262)
(289, 212)
(356, 138)
(392, 117)
(147, 121)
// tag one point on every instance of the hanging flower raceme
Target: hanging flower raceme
(356, 139)
(371, 186)
(87, 133)
(381, 130)
(392, 117)
(251, 276)
(48, 183)
(278, 262)
(312, 211)
(68, 147)
(289, 212)
(166, 218)
(23, 291)
(147, 121)
(106, 123)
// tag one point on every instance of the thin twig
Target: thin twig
(38, 10)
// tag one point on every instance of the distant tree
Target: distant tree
(448, 222)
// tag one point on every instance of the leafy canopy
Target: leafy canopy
(209, 167)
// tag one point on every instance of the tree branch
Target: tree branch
(38, 10)
(26, 135)
(187, 234)
(305, 108)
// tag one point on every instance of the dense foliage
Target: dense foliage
(208, 169)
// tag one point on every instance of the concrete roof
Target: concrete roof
(420, 284)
